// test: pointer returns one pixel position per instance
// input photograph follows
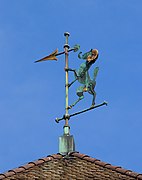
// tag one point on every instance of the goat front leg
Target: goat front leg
(75, 73)
(72, 82)
(73, 70)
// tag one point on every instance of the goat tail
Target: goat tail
(95, 73)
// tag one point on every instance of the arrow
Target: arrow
(80, 112)
(52, 56)
(55, 53)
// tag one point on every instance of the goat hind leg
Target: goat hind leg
(91, 91)
(80, 98)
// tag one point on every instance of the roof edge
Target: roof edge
(72, 154)
(107, 165)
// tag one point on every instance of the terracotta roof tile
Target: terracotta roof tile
(121, 170)
(100, 163)
(109, 166)
(48, 158)
(76, 154)
(55, 156)
(139, 176)
(29, 165)
(90, 159)
(73, 166)
(20, 169)
(2, 176)
(39, 161)
(9, 173)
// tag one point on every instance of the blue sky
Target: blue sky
(33, 95)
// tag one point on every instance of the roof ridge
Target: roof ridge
(72, 154)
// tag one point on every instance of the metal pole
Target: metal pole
(66, 47)
(66, 142)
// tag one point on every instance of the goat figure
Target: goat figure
(83, 77)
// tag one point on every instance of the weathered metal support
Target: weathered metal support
(80, 112)
(66, 142)
(66, 47)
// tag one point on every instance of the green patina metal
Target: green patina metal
(84, 56)
(83, 111)
(76, 47)
(83, 77)
(66, 142)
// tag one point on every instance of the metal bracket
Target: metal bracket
(80, 112)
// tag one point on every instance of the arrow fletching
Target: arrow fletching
(52, 56)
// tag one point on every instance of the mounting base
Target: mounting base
(66, 144)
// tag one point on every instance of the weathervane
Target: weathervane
(87, 85)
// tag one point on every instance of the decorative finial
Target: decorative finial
(66, 142)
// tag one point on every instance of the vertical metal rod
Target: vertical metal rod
(66, 47)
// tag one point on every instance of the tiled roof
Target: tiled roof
(74, 166)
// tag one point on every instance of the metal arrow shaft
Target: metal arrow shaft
(53, 55)
(63, 52)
